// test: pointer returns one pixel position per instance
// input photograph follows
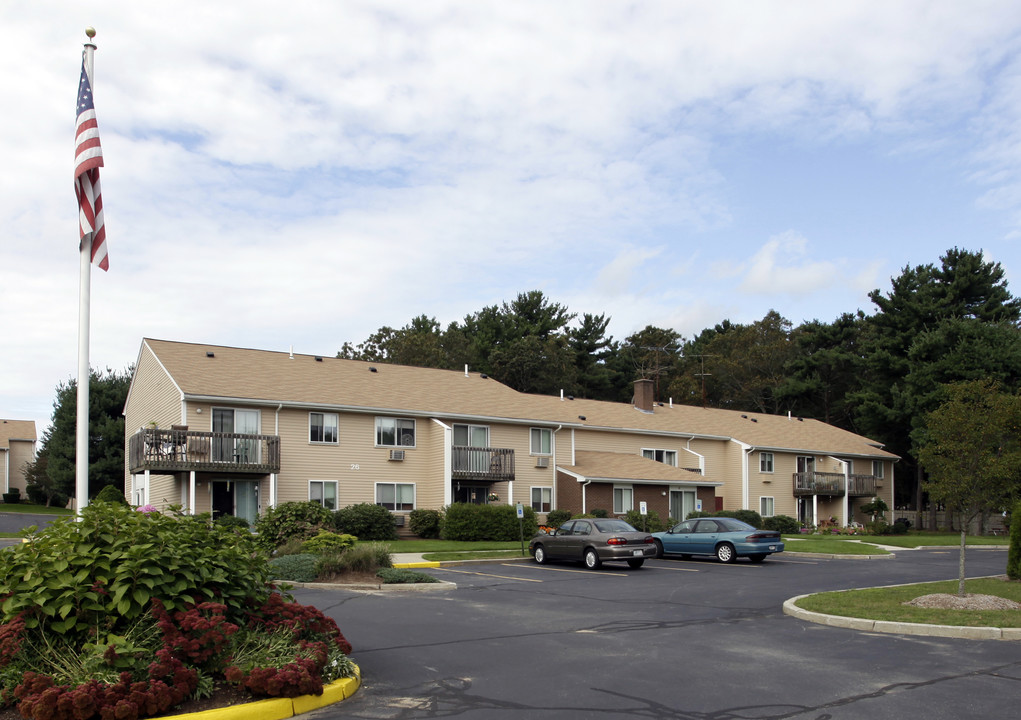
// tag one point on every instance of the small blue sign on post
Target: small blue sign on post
(521, 526)
(521, 511)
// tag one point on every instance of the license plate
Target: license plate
(638, 552)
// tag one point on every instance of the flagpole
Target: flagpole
(84, 310)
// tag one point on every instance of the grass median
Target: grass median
(887, 603)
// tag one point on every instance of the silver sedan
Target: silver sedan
(594, 541)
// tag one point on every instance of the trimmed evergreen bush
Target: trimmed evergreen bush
(782, 523)
(328, 542)
(1014, 553)
(402, 576)
(295, 568)
(749, 516)
(648, 523)
(556, 518)
(600, 513)
(366, 521)
(425, 523)
(470, 522)
(111, 493)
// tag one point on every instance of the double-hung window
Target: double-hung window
(396, 496)
(323, 492)
(623, 499)
(395, 432)
(766, 506)
(541, 441)
(877, 469)
(765, 462)
(667, 457)
(322, 428)
(542, 499)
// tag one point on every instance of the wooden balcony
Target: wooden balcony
(179, 450)
(481, 464)
(820, 483)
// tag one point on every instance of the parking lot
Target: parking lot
(675, 639)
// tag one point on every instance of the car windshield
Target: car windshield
(732, 525)
(612, 526)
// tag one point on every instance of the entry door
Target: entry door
(474, 494)
(236, 497)
(247, 422)
(682, 504)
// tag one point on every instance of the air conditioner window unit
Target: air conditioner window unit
(397, 455)
(542, 462)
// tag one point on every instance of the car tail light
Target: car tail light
(648, 540)
(760, 536)
(617, 541)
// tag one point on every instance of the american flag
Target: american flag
(88, 158)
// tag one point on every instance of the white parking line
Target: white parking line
(568, 570)
(675, 569)
(502, 577)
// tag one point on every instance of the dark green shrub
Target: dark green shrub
(40, 494)
(292, 520)
(367, 558)
(600, 513)
(365, 521)
(395, 576)
(425, 523)
(110, 493)
(897, 528)
(647, 523)
(556, 518)
(470, 522)
(749, 516)
(698, 514)
(1014, 552)
(782, 523)
(328, 542)
(877, 527)
(101, 571)
(294, 568)
(233, 521)
(13, 497)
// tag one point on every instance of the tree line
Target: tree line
(879, 374)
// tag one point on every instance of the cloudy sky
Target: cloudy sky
(303, 173)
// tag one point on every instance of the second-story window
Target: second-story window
(667, 457)
(322, 428)
(395, 432)
(766, 462)
(541, 441)
(877, 469)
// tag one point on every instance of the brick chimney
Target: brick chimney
(643, 395)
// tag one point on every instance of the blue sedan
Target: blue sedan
(726, 538)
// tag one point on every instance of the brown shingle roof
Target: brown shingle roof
(303, 380)
(595, 465)
(16, 430)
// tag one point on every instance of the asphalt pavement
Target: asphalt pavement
(685, 640)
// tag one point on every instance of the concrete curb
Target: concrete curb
(899, 628)
(281, 708)
(837, 556)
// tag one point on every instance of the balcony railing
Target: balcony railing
(185, 450)
(475, 463)
(821, 483)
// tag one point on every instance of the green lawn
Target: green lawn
(29, 509)
(913, 540)
(887, 603)
(829, 545)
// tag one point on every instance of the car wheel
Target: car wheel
(540, 554)
(592, 560)
(659, 548)
(725, 553)
(757, 558)
(635, 563)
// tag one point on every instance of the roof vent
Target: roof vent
(570, 397)
(755, 419)
(209, 353)
(581, 417)
(484, 376)
(318, 359)
(372, 369)
(745, 417)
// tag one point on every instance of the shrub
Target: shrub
(426, 523)
(781, 523)
(1014, 552)
(903, 521)
(327, 542)
(102, 570)
(366, 558)
(698, 514)
(365, 521)
(467, 521)
(877, 527)
(110, 493)
(749, 516)
(13, 497)
(288, 520)
(649, 523)
(600, 513)
(232, 521)
(556, 518)
(295, 568)
(898, 528)
(400, 576)
(41, 494)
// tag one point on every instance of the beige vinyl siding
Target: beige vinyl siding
(19, 455)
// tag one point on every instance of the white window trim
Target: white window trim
(336, 417)
(772, 502)
(414, 494)
(631, 495)
(531, 500)
(375, 431)
(772, 462)
(532, 450)
(324, 483)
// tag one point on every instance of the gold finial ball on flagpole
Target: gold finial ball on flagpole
(90, 31)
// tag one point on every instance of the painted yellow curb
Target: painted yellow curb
(422, 564)
(281, 708)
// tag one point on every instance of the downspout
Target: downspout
(747, 451)
(584, 497)
(553, 450)
(272, 502)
